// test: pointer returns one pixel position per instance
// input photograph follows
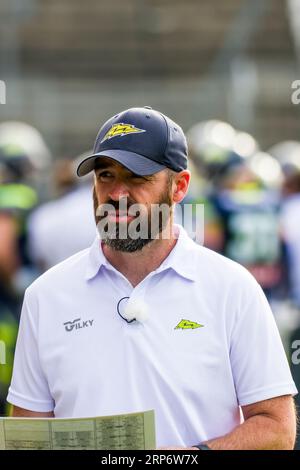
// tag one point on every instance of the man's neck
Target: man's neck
(136, 266)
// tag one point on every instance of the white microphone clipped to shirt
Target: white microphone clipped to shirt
(135, 309)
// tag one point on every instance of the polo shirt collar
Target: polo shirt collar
(180, 259)
(96, 259)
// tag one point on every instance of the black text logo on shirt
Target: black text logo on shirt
(77, 324)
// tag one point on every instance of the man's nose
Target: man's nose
(118, 191)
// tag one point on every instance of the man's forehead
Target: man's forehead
(105, 162)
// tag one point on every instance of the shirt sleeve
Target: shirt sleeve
(258, 360)
(29, 388)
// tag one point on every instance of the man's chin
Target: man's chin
(126, 245)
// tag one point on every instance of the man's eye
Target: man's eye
(138, 178)
(104, 175)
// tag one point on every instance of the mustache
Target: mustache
(120, 205)
(124, 206)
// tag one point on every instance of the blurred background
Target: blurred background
(223, 70)
(71, 64)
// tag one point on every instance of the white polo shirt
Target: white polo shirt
(210, 344)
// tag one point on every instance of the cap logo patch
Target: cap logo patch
(121, 129)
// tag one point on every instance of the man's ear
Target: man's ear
(181, 182)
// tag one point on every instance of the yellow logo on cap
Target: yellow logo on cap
(120, 130)
(187, 325)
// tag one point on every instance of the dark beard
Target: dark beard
(128, 244)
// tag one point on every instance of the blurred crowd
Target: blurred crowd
(251, 204)
(46, 215)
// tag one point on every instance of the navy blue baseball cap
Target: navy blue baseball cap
(143, 140)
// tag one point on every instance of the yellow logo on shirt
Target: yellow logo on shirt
(120, 130)
(187, 325)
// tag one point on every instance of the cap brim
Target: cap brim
(134, 162)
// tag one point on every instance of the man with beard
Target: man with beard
(148, 319)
